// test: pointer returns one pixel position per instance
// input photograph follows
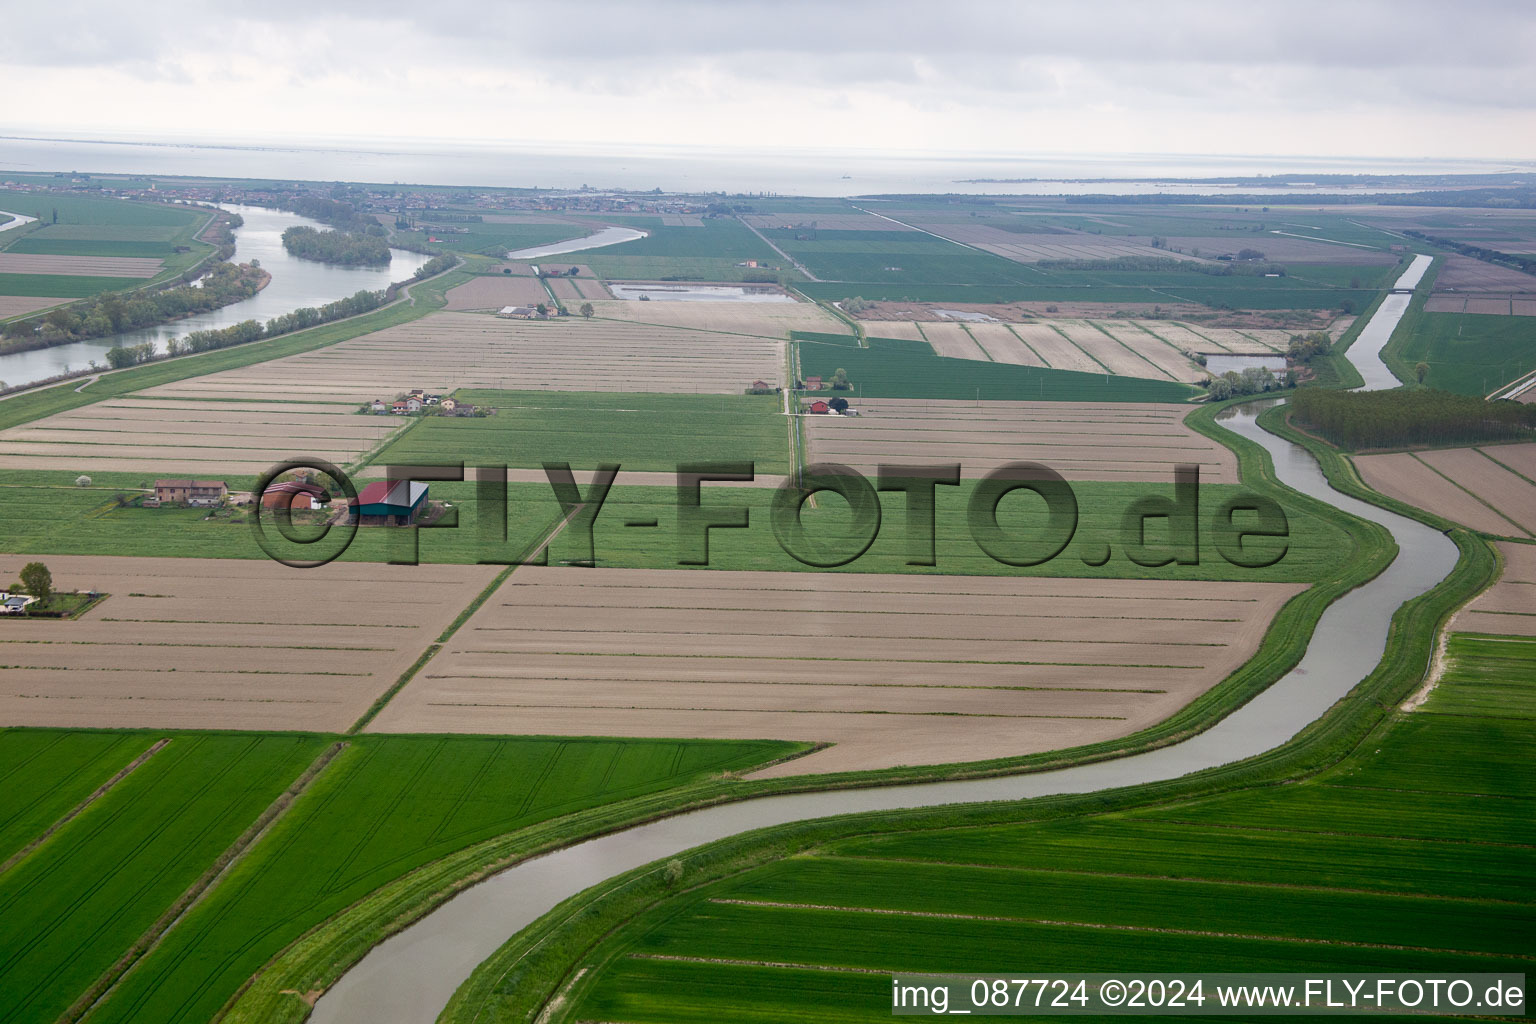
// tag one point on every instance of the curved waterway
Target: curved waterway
(295, 283)
(409, 978)
(1365, 353)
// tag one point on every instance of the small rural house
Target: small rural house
(813, 383)
(14, 604)
(378, 406)
(819, 407)
(413, 404)
(388, 503)
(194, 493)
(399, 408)
(449, 405)
(294, 495)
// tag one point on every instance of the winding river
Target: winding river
(409, 978)
(295, 283)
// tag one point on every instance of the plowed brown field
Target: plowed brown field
(224, 644)
(892, 670)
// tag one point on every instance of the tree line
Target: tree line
(341, 247)
(1249, 263)
(114, 313)
(1400, 419)
(364, 301)
(1513, 260)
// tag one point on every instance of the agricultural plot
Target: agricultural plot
(72, 908)
(641, 432)
(1477, 487)
(761, 319)
(45, 775)
(576, 289)
(78, 266)
(850, 221)
(224, 644)
(1007, 666)
(1137, 348)
(448, 351)
(1471, 355)
(19, 305)
(1318, 875)
(902, 369)
(61, 286)
(193, 434)
(953, 341)
(1510, 605)
(1032, 248)
(1088, 441)
(496, 291)
(383, 807)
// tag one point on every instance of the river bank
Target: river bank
(294, 284)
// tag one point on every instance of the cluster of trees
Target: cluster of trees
(1304, 347)
(115, 313)
(119, 356)
(308, 316)
(337, 213)
(1399, 418)
(207, 341)
(857, 304)
(343, 247)
(1247, 267)
(435, 265)
(1255, 380)
(1516, 261)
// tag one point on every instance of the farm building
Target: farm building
(819, 407)
(519, 312)
(388, 503)
(293, 494)
(197, 493)
(14, 604)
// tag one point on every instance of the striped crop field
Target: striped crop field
(1414, 854)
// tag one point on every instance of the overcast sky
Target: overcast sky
(1399, 78)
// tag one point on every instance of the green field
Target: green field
(1413, 854)
(649, 432)
(385, 806)
(45, 774)
(1469, 353)
(64, 286)
(71, 908)
(91, 212)
(44, 242)
(46, 515)
(890, 369)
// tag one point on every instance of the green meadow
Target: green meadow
(1413, 854)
